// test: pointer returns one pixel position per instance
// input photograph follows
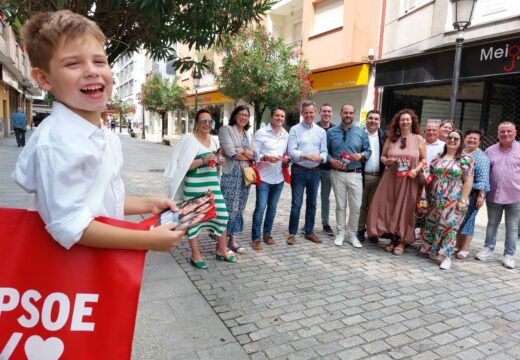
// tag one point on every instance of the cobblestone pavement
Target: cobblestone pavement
(313, 301)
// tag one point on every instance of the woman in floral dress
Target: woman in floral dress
(449, 191)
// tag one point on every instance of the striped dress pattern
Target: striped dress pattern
(196, 182)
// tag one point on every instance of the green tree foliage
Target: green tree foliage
(262, 71)
(162, 96)
(122, 108)
(155, 25)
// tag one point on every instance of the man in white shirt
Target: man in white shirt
(372, 170)
(271, 144)
(434, 146)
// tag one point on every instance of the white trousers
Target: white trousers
(348, 189)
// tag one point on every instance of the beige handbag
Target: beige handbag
(250, 174)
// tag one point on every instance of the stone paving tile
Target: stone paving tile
(310, 300)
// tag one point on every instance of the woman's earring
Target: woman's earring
(398, 131)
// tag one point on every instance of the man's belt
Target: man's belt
(317, 168)
(372, 173)
(350, 170)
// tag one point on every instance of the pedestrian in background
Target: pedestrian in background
(452, 173)
(372, 170)
(271, 145)
(392, 211)
(325, 184)
(19, 124)
(307, 148)
(504, 193)
(192, 174)
(237, 149)
(348, 148)
(477, 196)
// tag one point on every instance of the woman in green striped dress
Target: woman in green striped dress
(201, 176)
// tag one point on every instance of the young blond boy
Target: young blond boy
(73, 164)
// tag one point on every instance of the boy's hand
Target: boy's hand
(158, 205)
(164, 237)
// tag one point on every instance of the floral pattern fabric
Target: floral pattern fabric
(439, 233)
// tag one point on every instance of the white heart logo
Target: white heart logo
(38, 349)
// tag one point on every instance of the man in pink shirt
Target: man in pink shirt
(504, 196)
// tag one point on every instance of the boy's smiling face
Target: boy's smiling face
(79, 77)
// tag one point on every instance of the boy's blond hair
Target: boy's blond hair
(44, 31)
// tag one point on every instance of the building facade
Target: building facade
(130, 72)
(338, 38)
(416, 66)
(16, 86)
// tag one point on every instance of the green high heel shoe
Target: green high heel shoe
(230, 259)
(198, 264)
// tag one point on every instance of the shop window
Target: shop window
(328, 15)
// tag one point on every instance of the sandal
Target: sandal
(229, 259)
(232, 244)
(399, 249)
(462, 254)
(198, 264)
(389, 247)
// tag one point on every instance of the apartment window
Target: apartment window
(410, 5)
(328, 15)
(489, 11)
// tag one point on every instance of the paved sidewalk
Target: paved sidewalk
(309, 301)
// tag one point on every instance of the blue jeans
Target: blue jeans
(301, 180)
(267, 195)
(326, 186)
(512, 212)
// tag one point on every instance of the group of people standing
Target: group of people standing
(378, 175)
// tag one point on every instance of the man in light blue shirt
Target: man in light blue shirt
(271, 146)
(307, 148)
(19, 126)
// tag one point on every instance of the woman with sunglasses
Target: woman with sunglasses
(193, 172)
(448, 201)
(237, 150)
(392, 212)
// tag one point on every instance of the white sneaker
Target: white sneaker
(484, 254)
(339, 239)
(355, 241)
(445, 264)
(508, 262)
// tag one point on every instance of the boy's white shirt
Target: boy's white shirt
(74, 180)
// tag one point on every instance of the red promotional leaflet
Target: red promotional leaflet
(65, 304)
(191, 212)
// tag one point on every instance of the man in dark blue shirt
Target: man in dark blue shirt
(348, 147)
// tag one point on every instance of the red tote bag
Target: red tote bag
(65, 304)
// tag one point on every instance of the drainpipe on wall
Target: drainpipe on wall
(380, 49)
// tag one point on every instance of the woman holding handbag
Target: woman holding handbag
(238, 154)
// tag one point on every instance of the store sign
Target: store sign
(508, 52)
(497, 58)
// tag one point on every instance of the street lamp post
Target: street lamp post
(462, 12)
(196, 75)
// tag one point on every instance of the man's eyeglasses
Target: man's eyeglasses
(206, 122)
(403, 143)
(453, 138)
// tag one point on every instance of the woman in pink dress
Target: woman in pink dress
(392, 212)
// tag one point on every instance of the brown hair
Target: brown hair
(44, 31)
(458, 153)
(394, 132)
